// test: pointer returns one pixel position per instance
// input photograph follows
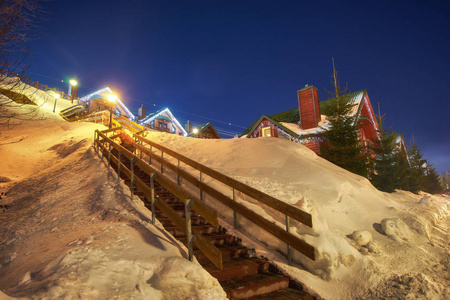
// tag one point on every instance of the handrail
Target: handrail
(209, 214)
(270, 227)
(268, 200)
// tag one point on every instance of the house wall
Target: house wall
(258, 130)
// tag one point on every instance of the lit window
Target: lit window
(266, 131)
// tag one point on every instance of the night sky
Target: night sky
(229, 62)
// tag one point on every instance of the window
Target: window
(173, 129)
(266, 131)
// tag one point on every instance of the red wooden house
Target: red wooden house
(303, 124)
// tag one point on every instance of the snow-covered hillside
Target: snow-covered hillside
(70, 230)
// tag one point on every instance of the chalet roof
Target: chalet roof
(159, 115)
(293, 116)
(101, 94)
(203, 128)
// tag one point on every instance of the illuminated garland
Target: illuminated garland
(173, 119)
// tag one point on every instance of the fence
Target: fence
(39, 86)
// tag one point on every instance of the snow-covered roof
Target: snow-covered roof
(160, 114)
(102, 94)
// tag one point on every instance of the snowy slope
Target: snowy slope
(72, 231)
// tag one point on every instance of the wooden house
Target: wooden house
(163, 120)
(304, 124)
(205, 131)
(98, 101)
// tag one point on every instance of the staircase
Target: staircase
(242, 276)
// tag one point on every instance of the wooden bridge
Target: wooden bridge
(159, 177)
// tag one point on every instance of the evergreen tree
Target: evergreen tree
(431, 182)
(417, 173)
(383, 174)
(402, 170)
(341, 144)
(445, 182)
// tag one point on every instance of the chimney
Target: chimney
(308, 106)
(141, 112)
(188, 127)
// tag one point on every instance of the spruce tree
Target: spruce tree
(402, 170)
(431, 182)
(417, 173)
(383, 174)
(341, 144)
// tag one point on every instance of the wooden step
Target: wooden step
(218, 240)
(254, 285)
(237, 268)
(288, 293)
(228, 253)
(203, 229)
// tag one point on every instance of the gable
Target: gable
(123, 109)
(164, 114)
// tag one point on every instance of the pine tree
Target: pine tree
(383, 175)
(341, 144)
(402, 171)
(417, 174)
(431, 181)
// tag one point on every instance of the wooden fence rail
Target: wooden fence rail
(39, 86)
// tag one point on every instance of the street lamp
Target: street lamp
(112, 98)
(56, 98)
(195, 131)
(74, 89)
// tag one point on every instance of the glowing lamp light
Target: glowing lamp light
(73, 82)
(56, 96)
(195, 130)
(112, 98)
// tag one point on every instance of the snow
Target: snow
(71, 230)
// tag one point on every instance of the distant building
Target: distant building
(163, 120)
(304, 124)
(205, 131)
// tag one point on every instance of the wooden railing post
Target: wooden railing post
(162, 159)
(178, 175)
(132, 177)
(153, 199)
(235, 217)
(150, 158)
(201, 191)
(103, 147)
(119, 166)
(190, 238)
(109, 155)
(289, 250)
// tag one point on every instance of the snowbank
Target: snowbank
(69, 230)
(400, 225)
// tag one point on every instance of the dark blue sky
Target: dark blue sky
(232, 61)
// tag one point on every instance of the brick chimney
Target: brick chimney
(141, 112)
(308, 106)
